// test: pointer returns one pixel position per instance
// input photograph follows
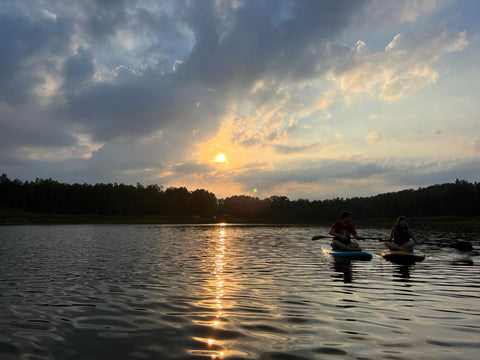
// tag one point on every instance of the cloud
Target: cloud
(332, 177)
(32, 128)
(372, 137)
(476, 144)
(27, 52)
(292, 149)
(177, 62)
(403, 68)
(436, 172)
(305, 172)
(139, 100)
(385, 13)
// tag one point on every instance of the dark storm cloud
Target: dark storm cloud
(79, 70)
(105, 17)
(143, 104)
(26, 45)
(28, 128)
(266, 38)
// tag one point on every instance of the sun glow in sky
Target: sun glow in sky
(312, 99)
(221, 158)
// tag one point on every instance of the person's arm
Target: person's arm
(390, 238)
(355, 234)
(334, 233)
(411, 235)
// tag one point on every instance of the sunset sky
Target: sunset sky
(304, 99)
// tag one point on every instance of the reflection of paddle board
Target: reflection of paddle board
(348, 255)
(403, 256)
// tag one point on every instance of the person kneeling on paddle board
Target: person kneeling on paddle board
(341, 231)
(401, 235)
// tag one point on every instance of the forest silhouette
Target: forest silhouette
(460, 198)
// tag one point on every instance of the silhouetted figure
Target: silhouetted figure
(401, 237)
(341, 231)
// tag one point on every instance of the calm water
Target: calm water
(229, 292)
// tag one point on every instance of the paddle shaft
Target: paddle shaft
(318, 237)
(460, 245)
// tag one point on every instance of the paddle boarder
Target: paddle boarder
(401, 237)
(341, 232)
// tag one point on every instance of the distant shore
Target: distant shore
(440, 222)
(23, 218)
(16, 217)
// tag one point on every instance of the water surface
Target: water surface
(230, 292)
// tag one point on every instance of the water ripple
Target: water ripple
(228, 292)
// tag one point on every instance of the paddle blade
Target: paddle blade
(462, 245)
(318, 237)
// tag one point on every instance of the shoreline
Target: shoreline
(8, 217)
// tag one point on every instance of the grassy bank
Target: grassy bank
(17, 217)
(14, 217)
(439, 222)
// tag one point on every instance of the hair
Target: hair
(344, 214)
(400, 218)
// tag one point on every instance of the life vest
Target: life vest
(400, 235)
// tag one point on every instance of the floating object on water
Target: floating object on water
(403, 256)
(462, 245)
(348, 255)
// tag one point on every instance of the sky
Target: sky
(303, 99)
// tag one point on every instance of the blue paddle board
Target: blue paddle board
(349, 255)
(403, 256)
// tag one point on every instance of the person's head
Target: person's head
(401, 221)
(345, 214)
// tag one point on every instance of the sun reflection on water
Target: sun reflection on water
(218, 272)
(219, 291)
(218, 330)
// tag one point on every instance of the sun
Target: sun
(220, 158)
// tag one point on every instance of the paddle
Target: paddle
(459, 245)
(318, 237)
(462, 245)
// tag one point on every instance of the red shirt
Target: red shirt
(345, 229)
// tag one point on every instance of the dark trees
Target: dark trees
(49, 196)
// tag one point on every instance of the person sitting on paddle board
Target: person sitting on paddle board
(402, 236)
(341, 231)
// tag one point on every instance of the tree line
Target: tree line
(50, 196)
(460, 198)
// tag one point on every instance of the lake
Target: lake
(230, 292)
